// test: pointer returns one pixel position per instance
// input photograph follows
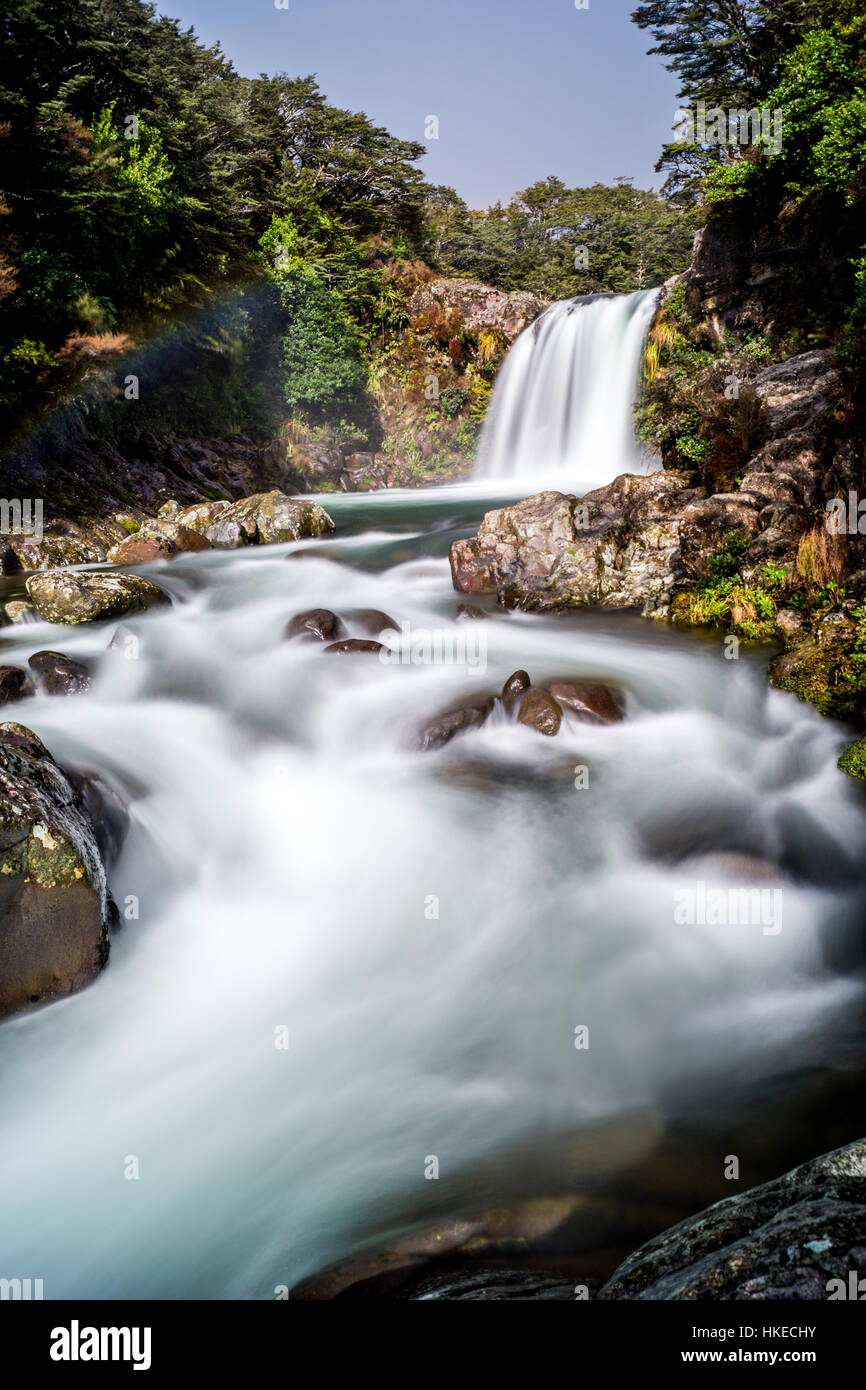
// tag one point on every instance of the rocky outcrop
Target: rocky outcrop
(54, 906)
(475, 307)
(76, 596)
(618, 547)
(268, 518)
(800, 1237)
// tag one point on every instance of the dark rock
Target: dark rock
(53, 897)
(105, 810)
(316, 625)
(15, 684)
(468, 714)
(589, 701)
(355, 644)
(787, 1239)
(515, 686)
(539, 711)
(57, 674)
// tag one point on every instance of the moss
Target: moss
(853, 759)
(824, 677)
(129, 524)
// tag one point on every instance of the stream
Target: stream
(425, 931)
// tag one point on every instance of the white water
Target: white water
(284, 842)
(562, 406)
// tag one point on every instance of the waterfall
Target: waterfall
(562, 408)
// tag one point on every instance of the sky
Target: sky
(521, 88)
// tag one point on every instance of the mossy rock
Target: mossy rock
(853, 759)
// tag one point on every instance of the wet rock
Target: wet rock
(471, 612)
(82, 597)
(316, 625)
(589, 701)
(490, 1284)
(53, 898)
(539, 711)
(457, 719)
(355, 644)
(142, 549)
(799, 1237)
(15, 684)
(57, 674)
(371, 620)
(268, 518)
(106, 811)
(515, 686)
(17, 611)
(9, 562)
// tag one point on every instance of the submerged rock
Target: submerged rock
(85, 597)
(57, 674)
(53, 897)
(355, 644)
(316, 625)
(467, 714)
(801, 1236)
(371, 620)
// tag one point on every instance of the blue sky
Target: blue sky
(522, 88)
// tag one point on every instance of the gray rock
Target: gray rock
(784, 1240)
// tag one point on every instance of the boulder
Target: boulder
(200, 516)
(516, 685)
(56, 674)
(53, 900)
(316, 625)
(539, 711)
(267, 518)
(619, 547)
(142, 549)
(801, 1236)
(590, 702)
(85, 597)
(15, 684)
(17, 611)
(366, 473)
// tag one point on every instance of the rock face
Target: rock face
(79, 597)
(479, 308)
(619, 547)
(786, 1239)
(53, 898)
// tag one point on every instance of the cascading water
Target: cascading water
(285, 844)
(561, 414)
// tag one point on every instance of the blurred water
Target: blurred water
(286, 843)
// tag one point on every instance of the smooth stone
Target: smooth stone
(57, 674)
(539, 711)
(590, 701)
(355, 644)
(316, 625)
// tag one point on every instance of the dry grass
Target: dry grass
(822, 558)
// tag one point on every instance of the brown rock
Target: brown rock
(355, 644)
(592, 703)
(57, 674)
(371, 620)
(539, 711)
(516, 685)
(316, 625)
(142, 549)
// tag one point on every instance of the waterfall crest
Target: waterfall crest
(562, 407)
